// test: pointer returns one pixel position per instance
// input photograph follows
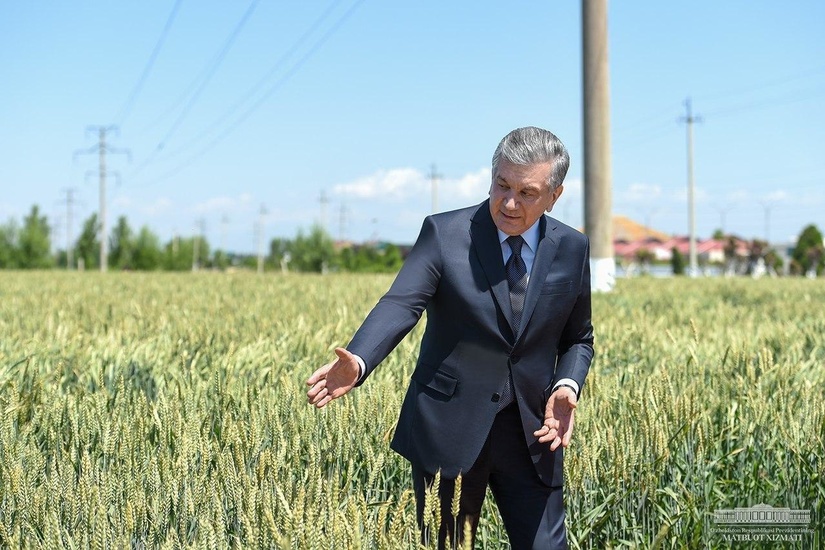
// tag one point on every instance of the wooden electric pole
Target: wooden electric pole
(598, 215)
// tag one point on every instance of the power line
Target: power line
(216, 63)
(763, 104)
(766, 84)
(209, 73)
(258, 85)
(127, 107)
(255, 106)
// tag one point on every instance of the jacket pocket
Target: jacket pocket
(440, 381)
(556, 288)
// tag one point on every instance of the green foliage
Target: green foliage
(313, 252)
(371, 259)
(8, 245)
(34, 245)
(809, 254)
(168, 410)
(88, 244)
(677, 261)
(147, 252)
(122, 246)
(181, 254)
(278, 249)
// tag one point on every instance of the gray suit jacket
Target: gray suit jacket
(455, 271)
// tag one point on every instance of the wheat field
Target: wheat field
(168, 410)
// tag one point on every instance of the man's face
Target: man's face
(519, 195)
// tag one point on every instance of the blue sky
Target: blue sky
(276, 102)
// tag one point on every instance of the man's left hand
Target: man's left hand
(558, 419)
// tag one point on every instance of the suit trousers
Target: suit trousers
(533, 513)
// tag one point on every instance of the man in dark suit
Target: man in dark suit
(505, 353)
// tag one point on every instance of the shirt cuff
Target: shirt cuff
(565, 382)
(362, 366)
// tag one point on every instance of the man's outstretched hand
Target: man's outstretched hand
(558, 419)
(334, 379)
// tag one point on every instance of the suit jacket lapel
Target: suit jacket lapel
(488, 249)
(546, 253)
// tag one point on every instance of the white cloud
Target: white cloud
(574, 186)
(214, 204)
(776, 196)
(738, 195)
(471, 185)
(699, 194)
(122, 202)
(159, 206)
(396, 183)
(224, 205)
(638, 192)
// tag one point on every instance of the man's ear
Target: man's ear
(555, 195)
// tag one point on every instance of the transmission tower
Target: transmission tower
(101, 148)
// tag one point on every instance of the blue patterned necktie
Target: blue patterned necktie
(516, 279)
(516, 271)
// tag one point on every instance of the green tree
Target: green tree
(392, 259)
(808, 253)
(147, 252)
(34, 245)
(221, 259)
(278, 252)
(313, 252)
(122, 245)
(677, 261)
(88, 245)
(8, 245)
(179, 253)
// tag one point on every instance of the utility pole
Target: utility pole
(69, 248)
(434, 177)
(324, 200)
(689, 120)
(598, 215)
(766, 208)
(200, 231)
(259, 231)
(224, 226)
(722, 214)
(342, 222)
(102, 149)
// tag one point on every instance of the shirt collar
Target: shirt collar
(531, 236)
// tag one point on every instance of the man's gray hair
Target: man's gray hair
(533, 145)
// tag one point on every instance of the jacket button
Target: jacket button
(495, 398)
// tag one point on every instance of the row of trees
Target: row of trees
(29, 246)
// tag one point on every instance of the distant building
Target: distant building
(632, 240)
